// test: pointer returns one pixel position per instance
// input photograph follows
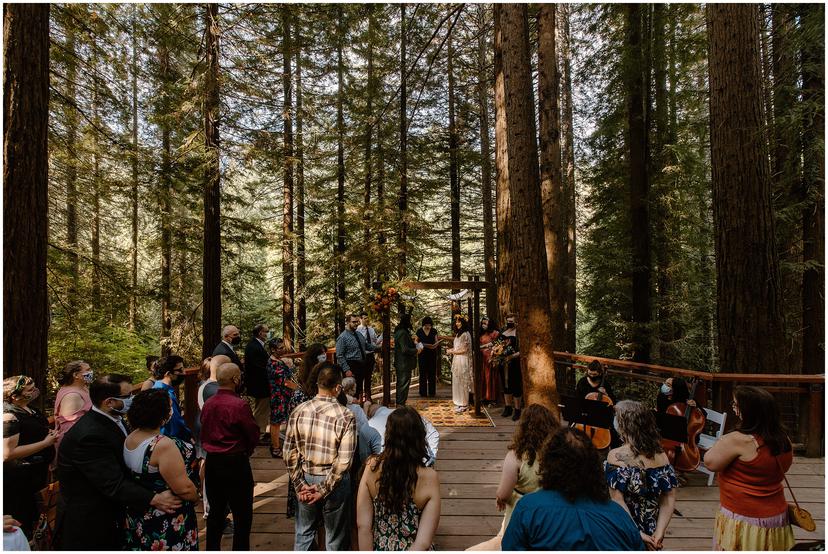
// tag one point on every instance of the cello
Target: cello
(599, 436)
(686, 456)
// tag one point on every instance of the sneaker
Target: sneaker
(516, 415)
(229, 528)
(507, 411)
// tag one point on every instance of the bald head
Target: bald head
(215, 363)
(227, 374)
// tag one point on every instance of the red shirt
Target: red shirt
(754, 488)
(227, 425)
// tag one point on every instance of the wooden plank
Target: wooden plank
(445, 285)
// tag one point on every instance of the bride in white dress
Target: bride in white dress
(461, 364)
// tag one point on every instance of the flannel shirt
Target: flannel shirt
(320, 440)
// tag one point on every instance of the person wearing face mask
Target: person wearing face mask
(229, 435)
(279, 376)
(255, 377)
(72, 400)
(427, 358)
(230, 340)
(488, 334)
(169, 375)
(95, 483)
(510, 372)
(28, 448)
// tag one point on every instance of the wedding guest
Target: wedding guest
(169, 375)
(751, 462)
(405, 357)
(279, 377)
(639, 475)
(352, 350)
(230, 339)
(370, 335)
(427, 358)
(398, 503)
(489, 333)
(28, 449)
(378, 418)
(151, 361)
(72, 400)
(369, 441)
(510, 372)
(159, 463)
(572, 510)
(255, 377)
(461, 367)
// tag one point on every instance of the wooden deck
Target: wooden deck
(469, 463)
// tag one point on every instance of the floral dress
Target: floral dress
(394, 532)
(280, 395)
(642, 488)
(153, 529)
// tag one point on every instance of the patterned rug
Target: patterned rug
(440, 411)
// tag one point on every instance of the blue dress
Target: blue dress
(642, 489)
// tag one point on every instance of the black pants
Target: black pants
(361, 370)
(229, 483)
(21, 484)
(428, 376)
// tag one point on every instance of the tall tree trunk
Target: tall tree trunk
(750, 321)
(340, 175)
(454, 180)
(483, 79)
(301, 276)
(402, 199)
(503, 215)
(524, 241)
(165, 195)
(552, 188)
(369, 140)
(96, 182)
(25, 189)
(72, 167)
(133, 294)
(211, 315)
(812, 17)
(287, 212)
(636, 90)
(568, 163)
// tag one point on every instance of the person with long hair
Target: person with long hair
(489, 333)
(279, 376)
(398, 503)
(405, 357)
(72, 400)
(751, 462)
(639, 475)
(461, 364)
(521, 465)
(573, 510)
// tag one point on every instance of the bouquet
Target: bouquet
(501, 350)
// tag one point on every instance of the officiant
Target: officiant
(427, 359)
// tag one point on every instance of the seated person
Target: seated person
(573, 510)
(369, 441)
(378, 416)
(672, 391)
(594, 381)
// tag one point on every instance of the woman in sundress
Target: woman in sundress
(461, 366)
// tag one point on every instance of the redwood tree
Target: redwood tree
(287, 211)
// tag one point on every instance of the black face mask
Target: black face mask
(510, 325)
(236, 341)
(177, 379)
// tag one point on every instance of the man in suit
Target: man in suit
(255, 377)
(95, 483)
(230, 338)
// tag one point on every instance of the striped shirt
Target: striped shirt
(320, 440)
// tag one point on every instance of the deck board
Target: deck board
(469, 463)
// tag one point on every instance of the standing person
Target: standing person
(169, 374)
(28, 449)
(427, 359)
(230, 339)
(461, 366)
(398, 503)
(405, 357)
(511, 376)
(639, 475)
(151, 361)
(279, 376)
(752, 462)
(95, 483)
(159, 463)
(572, 510)
(488, 334)
(255, 378)
(319, 447)
(352, 351)
(521, 465)
(229, 435)
(370, 335)
(72, 400)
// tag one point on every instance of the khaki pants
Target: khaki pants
(261, 412)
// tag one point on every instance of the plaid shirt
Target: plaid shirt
(351, 345)
(320, 440)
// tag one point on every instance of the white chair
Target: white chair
(707, 441)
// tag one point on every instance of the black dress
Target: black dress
(511, 377)
(427, 362)
(25, 477)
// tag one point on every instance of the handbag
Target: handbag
(44, 531)
(797, 515)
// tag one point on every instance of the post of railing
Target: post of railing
(816, 409)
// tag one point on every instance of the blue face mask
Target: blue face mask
(665, 389)
(615, 425)
(127, 403)
(88, 377)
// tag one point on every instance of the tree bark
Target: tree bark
(483, 80)
(453, 177)
(638, 179)
(568, 170)
(96, 182)
(503, 215)
(750, 321)
(340, 173)
(524, 242)
(301, 275)
(26, 314)
(211, 315)
(369, 140)
(402, 198)
(552, 188)
(72, 168)
(287, 211)
(133, 294)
